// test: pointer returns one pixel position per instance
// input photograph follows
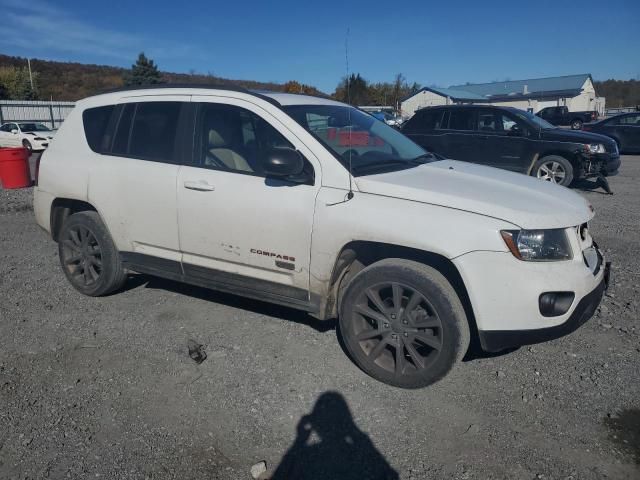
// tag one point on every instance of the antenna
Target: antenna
(346, 57)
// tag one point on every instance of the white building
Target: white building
(574, 91)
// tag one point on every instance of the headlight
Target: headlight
(538, 245)
(39, 138)
(594, 148)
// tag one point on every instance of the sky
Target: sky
(433, 43)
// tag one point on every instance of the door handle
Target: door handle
(200, 186)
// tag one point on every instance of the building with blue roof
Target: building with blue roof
(574, 91)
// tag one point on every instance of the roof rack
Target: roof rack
(160, 86)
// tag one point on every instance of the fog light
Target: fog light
(553, 304)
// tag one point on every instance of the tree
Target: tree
(399, 88)
(15, 84)
(143, 72)
(293, 86)
(353, 90)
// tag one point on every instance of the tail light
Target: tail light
(593, 115)
(586, 127)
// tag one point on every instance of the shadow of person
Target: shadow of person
(329, 446)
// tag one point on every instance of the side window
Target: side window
(425, 121)
(5, 128)
(461, 119)
(123, 130)
(507, 122)
(148, 131)
(487, 121)
(96, 121)
(154, 131)
(629, 120)
(234, 139)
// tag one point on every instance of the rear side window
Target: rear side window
(96, 122)
(148, 131)
(425, 121)
(460, 119)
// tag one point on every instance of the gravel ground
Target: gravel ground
(104, 387)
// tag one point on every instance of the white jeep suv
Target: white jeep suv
(310, 203)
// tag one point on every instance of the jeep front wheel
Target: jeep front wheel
(403, 323)
(554, 169)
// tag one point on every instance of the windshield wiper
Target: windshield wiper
(424, 156)
(389, 164)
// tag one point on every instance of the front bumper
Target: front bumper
(504, 293)
(606, 164)
(496, 340)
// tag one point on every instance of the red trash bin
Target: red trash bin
(14, 168)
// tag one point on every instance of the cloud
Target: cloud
(41, 27)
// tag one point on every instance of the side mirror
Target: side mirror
(282, 162)
(14, 131)
(516, 131)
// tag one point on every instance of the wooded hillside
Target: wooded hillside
(619, 93)
(73, 81)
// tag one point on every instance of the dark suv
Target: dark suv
(513, 139)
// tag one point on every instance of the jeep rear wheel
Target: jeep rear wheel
(403, 323)
(88, 256)
(576, 124)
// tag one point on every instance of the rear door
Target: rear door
(426, 129)
(500, 140)
(459, 140)
(133, 180)
(628, 129)
(239, 230)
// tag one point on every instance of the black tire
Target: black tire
(27, 144)
(576, 124)
(88, 255)
(555, 169)
(410, 343)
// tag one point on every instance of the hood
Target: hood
(518, 199)
(50, 134)
(575, 136)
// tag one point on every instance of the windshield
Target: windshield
(34, 127)
(537, 121)
(371, 145)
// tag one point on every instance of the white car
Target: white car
(34, 137)
(313, 204)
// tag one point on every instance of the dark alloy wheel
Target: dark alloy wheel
(88, 256)
(403, 323)
(82, 256)
(576, 124)
(27, 144)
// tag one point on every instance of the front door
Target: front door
(239, 230)
(500, 141)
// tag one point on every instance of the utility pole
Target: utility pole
(30, 76)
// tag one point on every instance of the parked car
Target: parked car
(392, 121)
(562, 116)
(623, 128)
(512, 139)
(252, 194)
(30, 135)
